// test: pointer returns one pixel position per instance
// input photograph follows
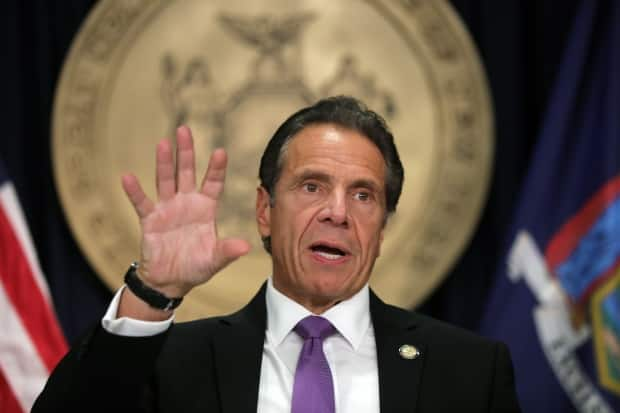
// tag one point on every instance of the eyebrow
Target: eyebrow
(323, 177)
(312, 174)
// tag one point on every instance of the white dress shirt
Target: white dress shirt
(351, 352)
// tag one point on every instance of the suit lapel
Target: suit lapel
(399, 378)
(238, 350)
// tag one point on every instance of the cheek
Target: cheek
(373, 248)
(288, 231)
(301, 221)
(366, 210)
(370, 230)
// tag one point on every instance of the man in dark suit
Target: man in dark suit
(330, 178)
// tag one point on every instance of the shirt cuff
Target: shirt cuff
(130, 327)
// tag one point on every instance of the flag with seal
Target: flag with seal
(556, 298)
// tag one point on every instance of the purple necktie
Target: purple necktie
(313, 391)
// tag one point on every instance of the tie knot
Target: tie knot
(314, 327)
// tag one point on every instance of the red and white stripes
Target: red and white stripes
(31, 342)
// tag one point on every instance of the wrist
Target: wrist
(160, 299)
(167, 289)
(132, 306)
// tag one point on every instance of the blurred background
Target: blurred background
(553, 70)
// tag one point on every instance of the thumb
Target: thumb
(228, 250)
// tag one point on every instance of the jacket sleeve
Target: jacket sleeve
(103, 372)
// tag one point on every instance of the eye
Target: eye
(362, 196)
(310, 187)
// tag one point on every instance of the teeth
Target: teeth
(328, 256)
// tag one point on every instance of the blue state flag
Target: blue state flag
(556, 298)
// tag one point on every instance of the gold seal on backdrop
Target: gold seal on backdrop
(233, 70)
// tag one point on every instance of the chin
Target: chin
(329, 290)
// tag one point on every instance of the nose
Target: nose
(335, 210)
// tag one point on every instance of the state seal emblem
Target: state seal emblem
(233, 70)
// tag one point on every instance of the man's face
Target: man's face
(326, 224)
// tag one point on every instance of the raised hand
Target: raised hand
(180, 246)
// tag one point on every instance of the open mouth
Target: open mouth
(328, 252)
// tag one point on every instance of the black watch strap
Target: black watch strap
(150, 296)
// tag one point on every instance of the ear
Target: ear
(263, 211)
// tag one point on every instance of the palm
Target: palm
(180, 237)
(180, 246)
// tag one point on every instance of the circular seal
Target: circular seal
(233, 71)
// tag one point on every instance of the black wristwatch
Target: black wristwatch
(150, 296)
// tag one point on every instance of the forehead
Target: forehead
(333, 146)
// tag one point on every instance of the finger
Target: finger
(141, 203)
(164, 169)
(228, 250)
(186, 172)
(213, 182)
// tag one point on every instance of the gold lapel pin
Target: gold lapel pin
(408, 352)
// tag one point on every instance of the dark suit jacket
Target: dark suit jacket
(213, 365)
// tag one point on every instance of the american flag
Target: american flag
(31, 342)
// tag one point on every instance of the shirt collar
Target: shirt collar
(350, 317)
